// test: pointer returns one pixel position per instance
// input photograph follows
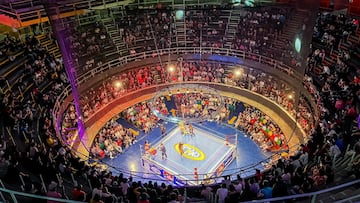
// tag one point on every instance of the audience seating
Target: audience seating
(46, 165)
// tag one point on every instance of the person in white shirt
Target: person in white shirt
(124, 186)
(99, 191)
(304, 158)
(334, 150)
(222, 193)
(240, 186)
(206, 192)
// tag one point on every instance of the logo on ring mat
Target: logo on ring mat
(191, 152)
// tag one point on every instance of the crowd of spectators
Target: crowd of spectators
(205, 27)
(69, 124)
(33, 149)
(331, 29)
(115, 87)
(197, 105)
(145, 30)
(9, 47)
(302, 172)
(141, 116)
(88, 42)
(262, 129)
(259, 27)
(287, 176)
(40, 67)
(338, 81)
(111, 140)
(148, 30)
(256, 81)
(309, 169)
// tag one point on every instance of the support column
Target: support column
(68, 61)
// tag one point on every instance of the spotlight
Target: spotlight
(171, 68)
(118, 84)
(238, 72)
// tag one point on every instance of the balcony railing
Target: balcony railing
(59, 108)
(7, 195)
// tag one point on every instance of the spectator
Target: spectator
(52, 192)
(79, 194)
(207, 193)
(266, 191)
(222, 193)
(233, 195)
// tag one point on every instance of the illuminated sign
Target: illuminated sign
(191, 152)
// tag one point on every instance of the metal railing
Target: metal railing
(313, 196)
(7, 195)
(179, 50)
(122, 61)
(38, 13)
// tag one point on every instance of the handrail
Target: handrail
(178, 50)
(348, 199)
(288, 121)
(63, 8)
(210, 84)
(12, 193)
(313, 194)
(7, 12)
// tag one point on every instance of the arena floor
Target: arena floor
(207, 138)
(205, 152)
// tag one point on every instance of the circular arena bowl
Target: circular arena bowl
(241, 78)
(219, 90)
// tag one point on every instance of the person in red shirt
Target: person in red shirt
(78, 193)
(258, 175)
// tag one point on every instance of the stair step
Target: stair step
(113, 32)
(232, 120)
(354, 39)
(117, 37)
(107, 20)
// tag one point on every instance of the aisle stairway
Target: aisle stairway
(50, 45)
(286, 40)
(340, 194)
(341, 176)
(115, 34)
(232, 26)
(180, 31)
(52, 48)
(352, 45)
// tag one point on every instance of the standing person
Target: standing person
(163, 130)
(222, 193)
(163, 151)
(191, 129)
(52, 192)
(181, 148)
(147, 147)
(78, 193)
